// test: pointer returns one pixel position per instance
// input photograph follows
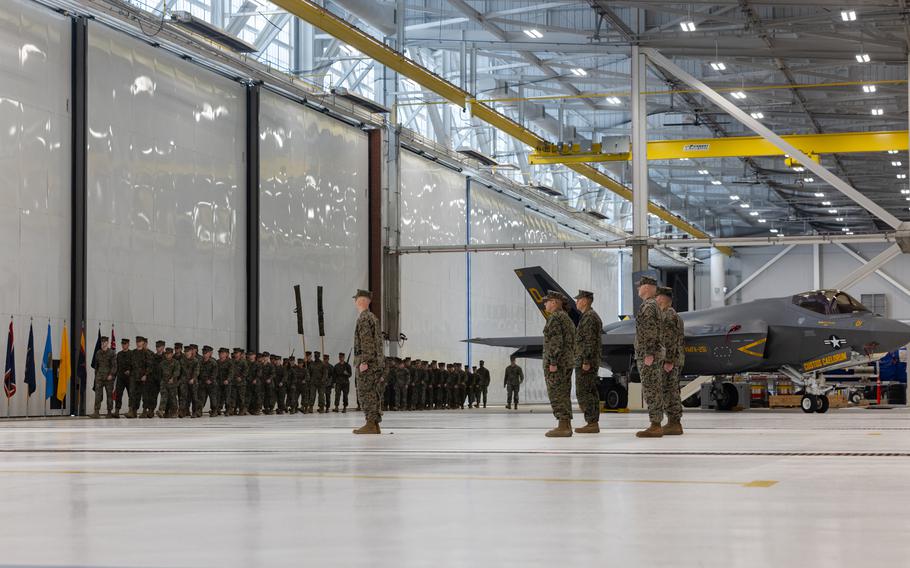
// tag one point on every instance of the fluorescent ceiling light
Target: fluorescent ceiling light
(774, 231)
(704, 172)
(839, 219)
(869, 88)
(896, 163)
(734, 197)
(878, 112)
(533, 34)
(905, 192)
(687, 26)
(832, 211)
(753, 213)
(716, 182)
(809, 179)
(848, 15)
(845, 229)
(744, 205)
(826, 203)
(862, 58)
(762, 220)
(849, 232)
(819, 195)
(579, 72)
(738, 95)
(892, 151)
(613, 100)
(757, 115)
(799, 169)
(718, 66)
(901, 176)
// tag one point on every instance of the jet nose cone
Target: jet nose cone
(890, 334)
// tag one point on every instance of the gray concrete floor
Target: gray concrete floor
(458, 488)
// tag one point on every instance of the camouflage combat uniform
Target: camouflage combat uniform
(514, 376)
(483, 383)
(189, 373)
(208, 387)
(647, 342)
(141, 369)
(559, 350)
(342, 383)
(402, 380)
(170, 385)
(124, 364)
(673, 340)
(225, 378)
(105, 371)
(588, 351)
(368, 350)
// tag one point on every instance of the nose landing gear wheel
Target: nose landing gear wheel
(808, 403)
(856, 398)
(822, 404)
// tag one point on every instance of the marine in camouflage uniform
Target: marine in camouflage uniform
(142, 361)
(208, 383)
(181, 387)
(402, 380)
(588, 346)
(225, 369)
(342, 376)
(283, 378)
(469, 385)
(558, 360)
(293, 379)
(170, 384)
(304, 384)
(317, 383)
(250, 368)
(672, 337)
(124, 364)
(441, 379)
(512, 380)
(105, 363)
(268, 384)
(154, 386)
(648, 354)
(368, 360)
(189, 374)
(483, 383)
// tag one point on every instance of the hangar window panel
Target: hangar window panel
(877, 303)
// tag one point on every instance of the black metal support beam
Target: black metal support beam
(374, 204)
(78, 220)
(252, 217)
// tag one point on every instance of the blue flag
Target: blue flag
(9, 377)
(47, 365)
(30, 362)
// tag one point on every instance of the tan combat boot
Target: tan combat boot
(673, 428)
(131, 414)
(589, 428)
(562, 430)
(94, 415)
(652, 431)
(368, 428)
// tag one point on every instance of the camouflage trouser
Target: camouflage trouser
(169, 398)
(207, 391)
(317, 396)
(421, 397)
(340, 390)
(192, 397)
(225, 397)
(440, 397)
(652, 390)
(122, 384)
(587, 394)
(183, 397)
(268, 397)
(401, 397)
(281, 389)
(293, 397)
(369, 393)
(483, 394)
(512, 393)
(136, 390)
(471, 398)
(328, 396)
(559, 391)
(104, 387)
(669, 387)
(254, 393)
(150, 394)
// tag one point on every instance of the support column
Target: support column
(639, 164)
(79, 181)
(718, 278)
(374, 201)
(467, 260)
(303, 47)
(816, 267)
(252, 217)
(691, 281)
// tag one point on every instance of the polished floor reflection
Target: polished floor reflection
(466, 488)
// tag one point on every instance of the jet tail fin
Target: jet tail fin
(538, 282)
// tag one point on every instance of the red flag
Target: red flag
(9, 377)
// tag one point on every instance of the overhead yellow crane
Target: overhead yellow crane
(731, 147)
(371, 47)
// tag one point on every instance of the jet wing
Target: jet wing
(529, 347)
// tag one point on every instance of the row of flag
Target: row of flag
(65, 371)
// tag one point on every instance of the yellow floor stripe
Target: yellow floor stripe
(381, 477)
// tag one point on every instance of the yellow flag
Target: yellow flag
(65, 371)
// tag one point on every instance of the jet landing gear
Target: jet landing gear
(815, 397)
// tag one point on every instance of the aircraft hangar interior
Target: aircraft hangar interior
(417, 283)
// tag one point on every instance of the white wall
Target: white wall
(435, 287)
(793, 273)
(34, 185)
(166, 200)
(314, 224)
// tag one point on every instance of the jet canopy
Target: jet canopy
(829, 302)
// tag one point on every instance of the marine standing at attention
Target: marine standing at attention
(672, 337)
(558, 357)
(648, 354)
(587, 362)
(369, 360)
